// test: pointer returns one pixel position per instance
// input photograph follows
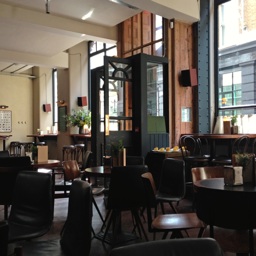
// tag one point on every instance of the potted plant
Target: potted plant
(234, 127)
(79, 118)
(246, 161)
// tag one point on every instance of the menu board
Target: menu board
(5, 120)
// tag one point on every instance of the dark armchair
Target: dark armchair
(181, 247)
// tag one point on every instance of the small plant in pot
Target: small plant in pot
(234, 127)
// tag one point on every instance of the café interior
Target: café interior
(169, 90)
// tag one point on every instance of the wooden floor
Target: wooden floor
(98, 248)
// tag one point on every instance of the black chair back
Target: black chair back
(172, 179)
(4, 153)
(87, 160)
(135, 160)
(172, 247)
(126, 189)
(4, 238)
(32, 207)
(154, 161)
(76, 233)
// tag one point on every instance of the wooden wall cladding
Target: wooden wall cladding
(182, 43)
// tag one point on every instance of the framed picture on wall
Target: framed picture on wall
(5, 120)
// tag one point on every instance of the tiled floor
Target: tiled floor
(98, 248)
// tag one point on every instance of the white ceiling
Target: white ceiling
(32, 36)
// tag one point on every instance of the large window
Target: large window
(236, 57)
(143, 33)
(96, 53)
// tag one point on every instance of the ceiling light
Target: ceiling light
(88, 14)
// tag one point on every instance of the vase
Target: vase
(81, 130)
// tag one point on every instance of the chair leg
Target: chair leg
(173, 207)
(251, 242)
(6, 211)
(139, 224)
(98, 210)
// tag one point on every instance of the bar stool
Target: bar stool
(28, 146)
(15, 148)
(68, 152)
(79, 153)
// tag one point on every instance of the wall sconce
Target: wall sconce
(3, 106)
(60, 102)
(82, 101)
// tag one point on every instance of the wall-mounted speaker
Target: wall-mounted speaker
(188, 77)
(82, 101)
(47, 107)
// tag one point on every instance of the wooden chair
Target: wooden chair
(68, 152)
(166, 223)
(69, 171)
(207, 172)
(79, 153)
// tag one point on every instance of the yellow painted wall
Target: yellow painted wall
(17, 93)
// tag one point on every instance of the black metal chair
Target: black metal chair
(9, 169)
(4, 153)
(75, 237)
(181, 247)
(192, 154)
(126, 193)
(135, 160)
(165, 223)
(31, 213)
(4, 238)
(172, 186)
(239, 146)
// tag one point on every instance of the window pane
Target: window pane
(146, 19)
(236, 57)
(158, 28)
(155, 99)
(97, 60)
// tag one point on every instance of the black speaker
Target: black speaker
(47, 107)
(188, 77)
(82, 101)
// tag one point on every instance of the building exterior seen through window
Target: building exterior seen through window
(237, 58)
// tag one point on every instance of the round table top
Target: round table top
(46, 164)
(98, 171)
(230, 207)
(218, 184)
